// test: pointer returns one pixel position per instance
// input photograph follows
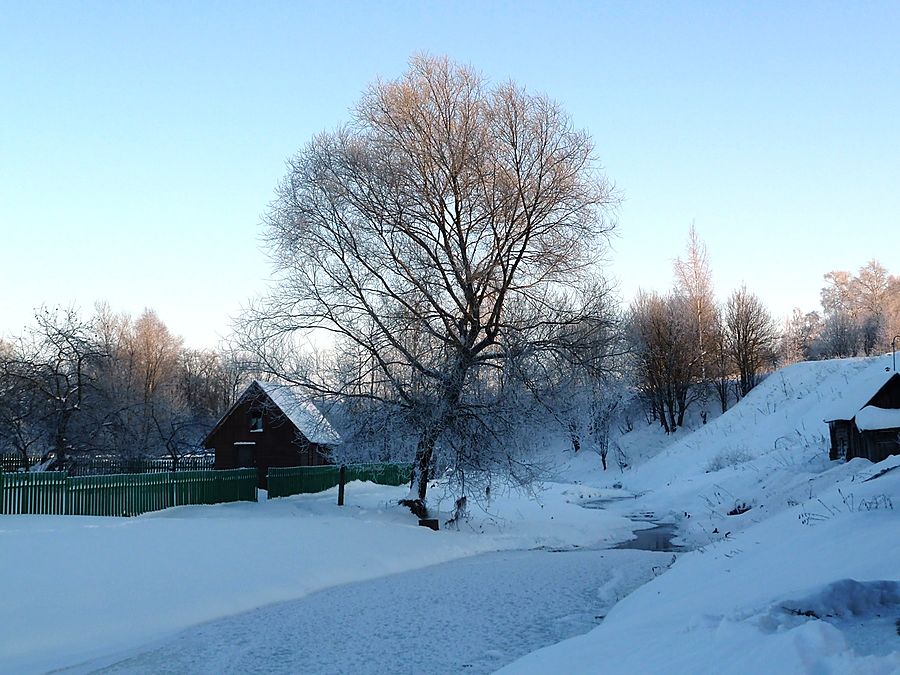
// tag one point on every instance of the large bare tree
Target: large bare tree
(448, 227)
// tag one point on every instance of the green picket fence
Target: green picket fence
(118, 494)
(383, 474)
(41, 492)
(295, 480)
(121, 494)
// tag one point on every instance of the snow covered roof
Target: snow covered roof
(871, 418)
(300, 411)
(859, 392)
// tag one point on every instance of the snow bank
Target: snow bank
(848, 598)
(766, 454)
(769, 599)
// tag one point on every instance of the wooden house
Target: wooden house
(866, 421)
(271, 425)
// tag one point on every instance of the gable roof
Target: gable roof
(293, 405)
(860, 391)
(301, 412)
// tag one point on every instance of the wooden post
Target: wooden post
(342, 479)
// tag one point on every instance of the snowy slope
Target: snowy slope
(815, 589)
(803, 578)
(767, 453)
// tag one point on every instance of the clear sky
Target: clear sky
(141, 141)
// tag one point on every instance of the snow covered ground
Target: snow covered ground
(78, 587)
(795, 566)
(470, 615)
(815, 589)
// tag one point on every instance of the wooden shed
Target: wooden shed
(866, 422)
(271, 425)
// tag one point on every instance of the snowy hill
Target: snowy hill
(768, 453)
(803, 577)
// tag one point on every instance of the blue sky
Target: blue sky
(141, 142)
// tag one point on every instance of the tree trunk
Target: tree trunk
(422, 469)
(421, 474)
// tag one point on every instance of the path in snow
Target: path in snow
(472, 615)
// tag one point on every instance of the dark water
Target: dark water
(657, 538)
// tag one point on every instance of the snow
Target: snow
(427, 621)
(731, 603)
(301, 412)
(86, 586)
(792, 566)
(872, 418)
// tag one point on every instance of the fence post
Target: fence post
(342, 480)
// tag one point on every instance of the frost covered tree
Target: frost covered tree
(106, 386)
(693, 280)
(665, 352)
(801, 336)
(720, 360)
(749, 336)
(50, 373)
(862, 311)
(450, 227)
(673, 339)
(22, 413)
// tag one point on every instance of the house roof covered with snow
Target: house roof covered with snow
(300, 411)
(859, 392)
(293, 404)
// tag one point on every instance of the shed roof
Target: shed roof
(860, 391)
(872, 418)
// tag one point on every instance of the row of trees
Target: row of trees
(687, 347)
(110, 385)
(860, 315)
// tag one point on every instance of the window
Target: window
(246, 454)
(256, 421)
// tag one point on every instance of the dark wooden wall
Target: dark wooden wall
(278, 444)
(889, 395)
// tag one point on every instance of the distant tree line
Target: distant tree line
(687, 349)
(860, 315)
(108, 385)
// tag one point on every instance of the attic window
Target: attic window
(256, 421)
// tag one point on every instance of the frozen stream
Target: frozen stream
(471, 615)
